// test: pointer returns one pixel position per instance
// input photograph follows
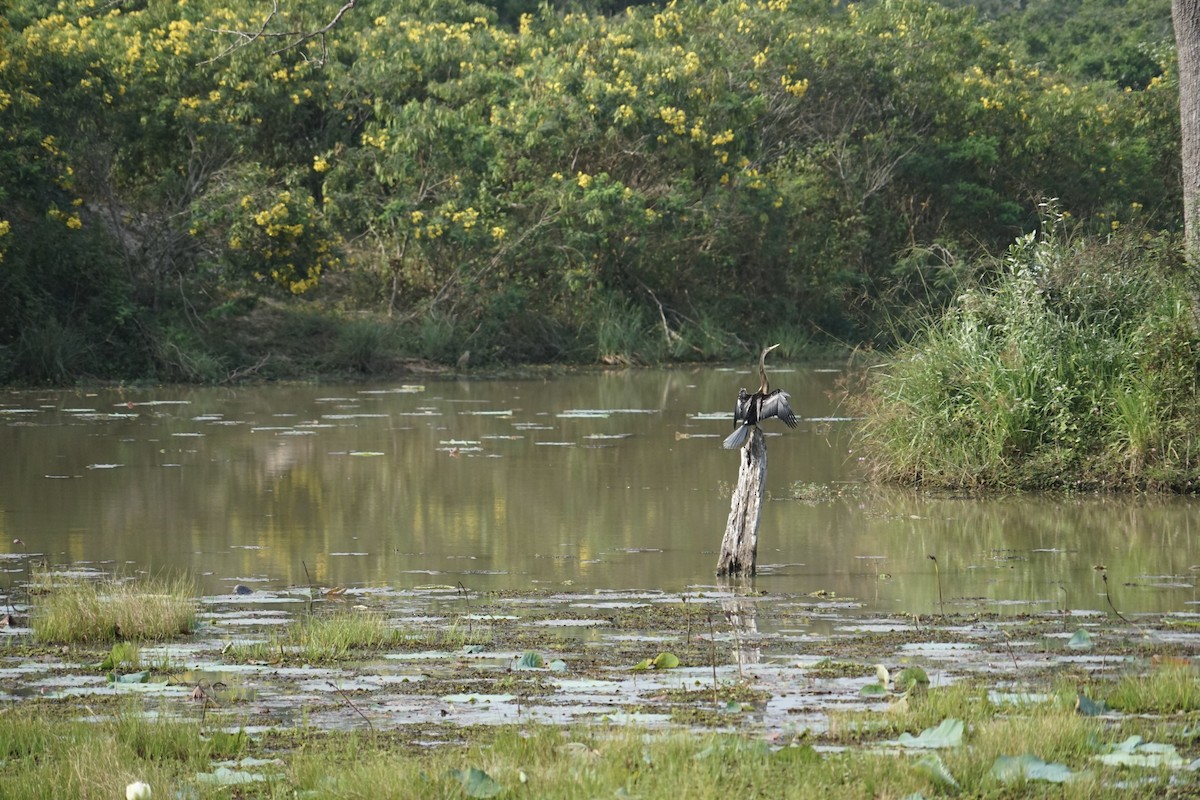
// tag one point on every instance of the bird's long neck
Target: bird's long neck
(763, 386)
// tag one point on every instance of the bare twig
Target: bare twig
(938, 573)
(291, 39)
(342, 694)
(712, 638)
(1120, 616)
(466, 596)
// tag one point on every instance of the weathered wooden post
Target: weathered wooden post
(739, 547)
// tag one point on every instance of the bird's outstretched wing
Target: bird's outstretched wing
(776, 405)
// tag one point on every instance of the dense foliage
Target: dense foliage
(666, 181)
(1076, 368)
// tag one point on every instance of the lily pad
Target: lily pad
(531, 660)
(1137, 752)
(476, 782)
(911, 678)
(1089, 707)
(932, 766)
(1082, 640)
(223, 776)
(666, 661)
(132, 677)
(660, 661)
(1030, 768)
(948, 734)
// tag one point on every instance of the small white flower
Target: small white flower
(137, 791)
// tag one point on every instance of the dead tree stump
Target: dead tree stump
(739, 547)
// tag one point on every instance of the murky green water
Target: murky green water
(596, 481)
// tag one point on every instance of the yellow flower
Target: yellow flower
(320, 164)
(583, 179)
(498, 233)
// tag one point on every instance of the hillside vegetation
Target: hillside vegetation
(679, 181)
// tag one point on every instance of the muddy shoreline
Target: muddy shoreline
(772, 665)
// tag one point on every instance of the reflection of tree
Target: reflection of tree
(1017, 548)
(740, 607)
(638, 512)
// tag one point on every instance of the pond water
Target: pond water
(587, 482)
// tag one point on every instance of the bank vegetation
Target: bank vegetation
(197, 192)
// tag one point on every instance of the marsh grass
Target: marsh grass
(76, 611)
(44, 755)
(608, 761)
(1073, 368)
(1167, 689)
(323, 638)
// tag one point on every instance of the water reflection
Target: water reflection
(601, 480)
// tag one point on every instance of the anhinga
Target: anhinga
(751, 408)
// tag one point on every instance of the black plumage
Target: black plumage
(750, 408)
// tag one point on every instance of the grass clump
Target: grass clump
(78, 611)
(46, 756)
(324, 638)
(1168, 689)
(1075, 368)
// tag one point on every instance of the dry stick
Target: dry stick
(687, 613)
(1011, 653)
(712, 639)
(27, 570)
(466, 595)
(312, 589)
(1108, 597)
(938, 572)
(350, 703)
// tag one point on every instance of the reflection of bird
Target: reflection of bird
(751, 408)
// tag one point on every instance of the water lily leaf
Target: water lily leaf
(1136, 752)
(932, 766)
(1082, 640)
(223, 776)
(1031, 768)
(132, 677)
(642, 665)
(911, 678)
(558, 665)
(666, 661)
(948, 734)
(873, 690)
(1090, 708)
(531, 660)
(798, 755)
(476, 782)
(471, 649)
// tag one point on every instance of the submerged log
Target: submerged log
(739, 547)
